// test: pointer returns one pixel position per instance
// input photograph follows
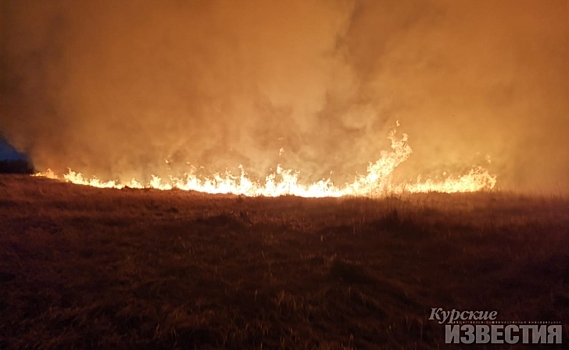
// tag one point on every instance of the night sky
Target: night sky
(124, 89)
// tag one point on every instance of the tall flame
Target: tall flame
(377, 181)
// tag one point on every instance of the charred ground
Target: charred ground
(82, 267)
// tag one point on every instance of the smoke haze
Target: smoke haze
(124, 89)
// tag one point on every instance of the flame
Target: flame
(376, 182)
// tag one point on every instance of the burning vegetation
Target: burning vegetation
(198, 128)
(377, 181)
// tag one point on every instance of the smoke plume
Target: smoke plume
(123, 89)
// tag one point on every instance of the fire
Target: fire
(376, 182)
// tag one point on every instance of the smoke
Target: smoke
(132, 88)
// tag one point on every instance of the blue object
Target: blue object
(7, 152)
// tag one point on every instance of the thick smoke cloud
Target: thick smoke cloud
(126, 89)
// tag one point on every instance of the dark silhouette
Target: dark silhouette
(16, 166)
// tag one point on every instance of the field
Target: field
(88, 268)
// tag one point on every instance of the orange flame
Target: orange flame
(376, 182)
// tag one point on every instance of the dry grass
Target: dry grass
(85, 268)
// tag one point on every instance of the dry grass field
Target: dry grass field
(88, 268)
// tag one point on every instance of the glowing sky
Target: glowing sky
(126, 89)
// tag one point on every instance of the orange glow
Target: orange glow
(377, 181)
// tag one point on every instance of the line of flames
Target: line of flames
(376, 182)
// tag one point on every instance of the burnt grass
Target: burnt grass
(88, 268)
